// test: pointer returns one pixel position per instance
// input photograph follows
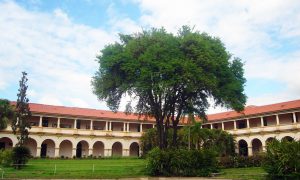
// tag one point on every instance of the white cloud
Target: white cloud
(249, 29)
(58, 55)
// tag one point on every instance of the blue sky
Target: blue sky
(56, 42)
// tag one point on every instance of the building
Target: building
(68, 131)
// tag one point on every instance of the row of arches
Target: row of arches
(256, 145)
(66, 148)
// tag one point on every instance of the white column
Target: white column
(234, 124)
(294, 118)
(110, 125)
(90, 151)
(75, 122)
(223, 126)
(262, 121)
(277, 119)
(153, 125)
(248, 125)
(250, 153)
(141, 127)
(124, 127)
(91, 126)
(41, 121)
(106, 126)
(56, 152)
(211, 126)
(73, 152)
(38, 151)
(127, 127)
(58, 122)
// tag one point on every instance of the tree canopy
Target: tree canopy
(169, 76)
(6, 112)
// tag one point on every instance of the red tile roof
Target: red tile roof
(103, 114)
(83, 112)
(256, 110)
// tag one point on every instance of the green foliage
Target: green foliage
(169, 76)
(218, 140)
(181, 162)
(20, 123)
(283, 159)
(6, 113)
(5, 158)
(221, 141)
(20, 156)
(241, 161)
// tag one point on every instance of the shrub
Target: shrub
(241, 161)
(283, 159)
(20, 156)
(181, 162)
(6, 158)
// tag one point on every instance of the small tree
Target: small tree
(20, 124)
(6, 113)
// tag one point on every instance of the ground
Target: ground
(104, 168)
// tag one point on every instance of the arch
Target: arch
(6, 143)
(48, 148)
(98, 149)
(243, 148)
(134, 149)
(287, 138)
(32, 146)
(117, 149)
(65, 148)
(82, 149)
(256, 146)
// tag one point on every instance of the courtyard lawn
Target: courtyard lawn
(79, 168)
(106, 168)
(256, 173)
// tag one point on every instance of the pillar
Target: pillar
(248, 124)
(153, 125)
(73, 152)
(223, 128)
(41, 121)
(38, 151)
(90, 151)
(294, 118)
(56, 152)
(110, 126)
(277, 119)
(75, 122)
(125, 152)
(106, 126)
(141, 127)
(124, 127)
(58, 122)
(211, 126)
(250, 153)
(234, 125)
(127, 127)
(91, 126)
(107, 152)
(262, 121)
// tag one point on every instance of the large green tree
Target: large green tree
(169, 76)
(6, 113)
(20, 124)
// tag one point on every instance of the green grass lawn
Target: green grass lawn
(106, 168)
(256, 173)
(82, 168)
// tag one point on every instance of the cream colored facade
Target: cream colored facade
(57, 136)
